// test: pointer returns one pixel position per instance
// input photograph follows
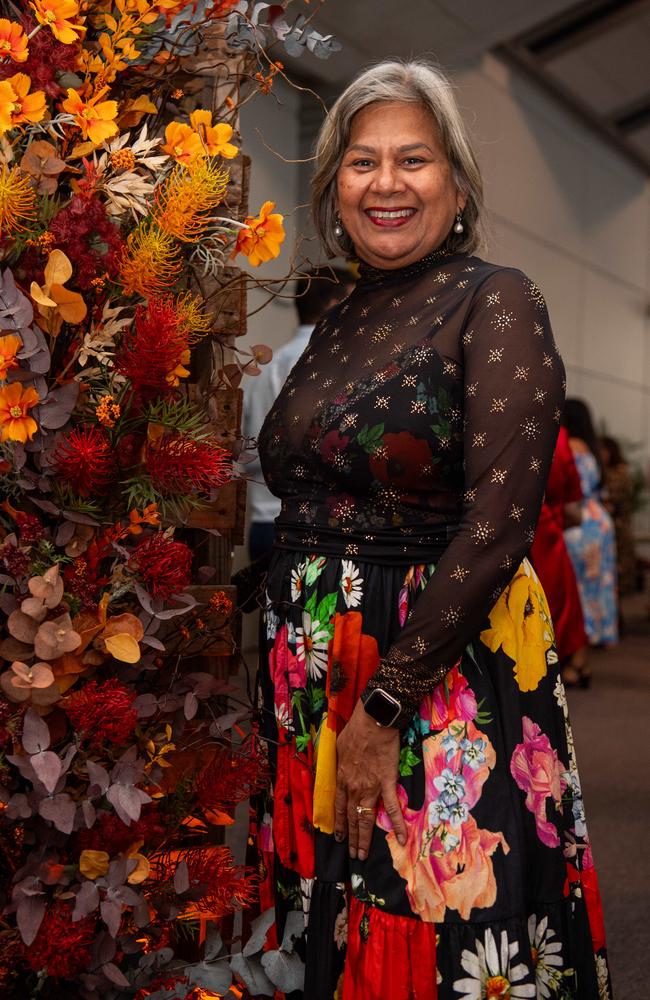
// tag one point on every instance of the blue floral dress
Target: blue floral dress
(410, 447)
(592, 548)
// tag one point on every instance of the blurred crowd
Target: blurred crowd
(584, 549)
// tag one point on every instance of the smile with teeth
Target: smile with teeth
(392, 213)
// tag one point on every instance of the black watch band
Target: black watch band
(386, 710)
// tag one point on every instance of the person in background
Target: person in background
(592, 543)
(620, 504)
(316, 291)
(561, 508)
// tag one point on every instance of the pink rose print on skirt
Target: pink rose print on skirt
(287, 673)
(538, 772)
(456, 702)
(447, 860)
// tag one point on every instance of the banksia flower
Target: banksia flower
(154, 350)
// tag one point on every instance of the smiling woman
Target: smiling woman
(426, 794)
(396, 192)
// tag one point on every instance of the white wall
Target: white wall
(575, 216)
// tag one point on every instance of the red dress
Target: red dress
(549, 553)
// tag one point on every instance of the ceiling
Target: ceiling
(593, 56)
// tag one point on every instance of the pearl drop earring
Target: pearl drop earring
(338, 228)
(459, 227)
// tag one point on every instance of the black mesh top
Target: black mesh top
(419, 426)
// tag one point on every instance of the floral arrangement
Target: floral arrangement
(116, 766)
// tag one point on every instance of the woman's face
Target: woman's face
(395, 187)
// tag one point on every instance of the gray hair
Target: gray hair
(414, 82)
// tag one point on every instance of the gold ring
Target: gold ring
(364, 809)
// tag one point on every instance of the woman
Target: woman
(592, 543)
(562, 506)
(619, 486)
(426, 814)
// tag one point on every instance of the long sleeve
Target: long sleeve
(514, 391)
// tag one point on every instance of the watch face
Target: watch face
(382, 707)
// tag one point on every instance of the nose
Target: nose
(387, 179)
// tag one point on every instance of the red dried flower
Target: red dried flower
(102, 712)
(153, 349)
(220, 603)
(110, 834)
(91, 241)
(16, 560)
(83, 459)
(62, 948)
(163, 565)
(178, 466)
(30, 528)
(7, 713)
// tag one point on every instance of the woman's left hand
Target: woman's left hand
(368, 761)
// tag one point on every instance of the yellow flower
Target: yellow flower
(182, 143)
(17, 105)
(17, 201)
(93, 864)
(261, 240)
(57, 304)
(520, 624)
(55, 15)
(192, 320)
(15, 404)
(9, 347)
(174, 377)
(149, 263)
(186, 196)
(13, 41)
(95, 117)
(215, 138)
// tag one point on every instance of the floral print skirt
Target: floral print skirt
(495, 892)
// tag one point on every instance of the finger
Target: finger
(340, 814)
(366, 826)
(394, 810)
(353, 828)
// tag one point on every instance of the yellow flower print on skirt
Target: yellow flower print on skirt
(520, 624)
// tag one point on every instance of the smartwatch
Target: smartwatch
(382, 707)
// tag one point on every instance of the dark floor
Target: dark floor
(611, 725)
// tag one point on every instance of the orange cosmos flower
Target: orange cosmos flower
(261, 240)
(95, 117)
(215, 138)
(9, 347)
(182, 143)
(55, 14)
(17, 105)
(13, 41)
(15, 404)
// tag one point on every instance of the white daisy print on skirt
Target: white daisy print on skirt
(311, 645)
(491, 972)
(351, 584)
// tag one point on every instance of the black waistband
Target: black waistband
(386, 547)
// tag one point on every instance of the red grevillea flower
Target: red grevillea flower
(102, 712)
(230, 777)
(180, 465)
(163, 565)
(219, 883)
(153, 349)
(84, 460)
(62, 948)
